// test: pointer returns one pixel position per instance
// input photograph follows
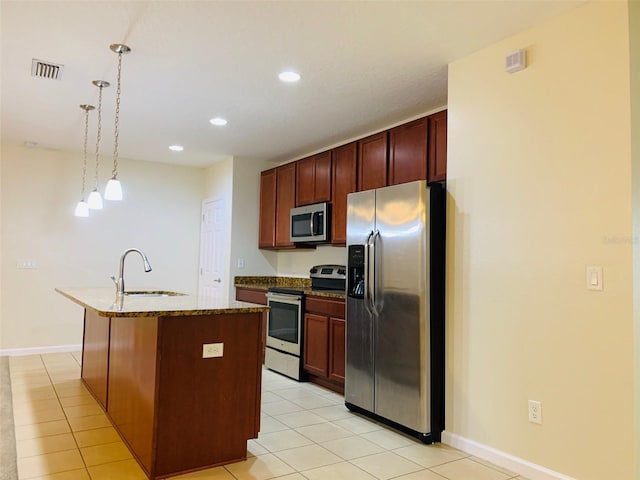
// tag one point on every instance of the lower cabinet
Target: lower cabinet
(324, 342)
(255, 295)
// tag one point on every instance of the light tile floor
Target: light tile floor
(306, 433)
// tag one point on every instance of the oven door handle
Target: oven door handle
(291, 299)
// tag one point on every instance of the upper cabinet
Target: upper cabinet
(408, 152)
(437, 159)
(345, 163)
(267, 221)
(416, 150)
(285, 201)
(313, 179)
(372, 161)
(277, 197)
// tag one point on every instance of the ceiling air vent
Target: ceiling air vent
(42, 69)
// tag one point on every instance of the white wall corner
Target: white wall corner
(502, 459)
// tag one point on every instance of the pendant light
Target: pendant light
(113, 190)
(95, 199)
(82, 208)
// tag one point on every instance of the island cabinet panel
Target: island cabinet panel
(226, 410)
(132, 383)
(372, 161)
(324, 341)
(437, 147)
(408, 152)
(267, 219)
(285, 201)
(95, 355)
(176, 410)
(345, 171)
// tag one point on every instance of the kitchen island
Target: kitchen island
(179, 376)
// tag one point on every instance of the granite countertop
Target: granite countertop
(103, 300)
(304, 284)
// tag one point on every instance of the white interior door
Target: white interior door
(213, 249)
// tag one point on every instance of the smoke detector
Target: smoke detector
(43, 69)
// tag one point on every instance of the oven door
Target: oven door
(284, 322)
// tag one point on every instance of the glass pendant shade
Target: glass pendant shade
(95, 200)
(113, 190)
(82, 209)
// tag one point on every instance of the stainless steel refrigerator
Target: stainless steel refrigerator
(395, 307)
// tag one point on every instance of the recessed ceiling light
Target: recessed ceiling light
(289, 76)
(218, 121)
(176, 148)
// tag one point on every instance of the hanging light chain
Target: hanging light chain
(100, 86)
(86, 135)
(114, 172)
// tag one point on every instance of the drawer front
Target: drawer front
(325, 306)
(251, 295)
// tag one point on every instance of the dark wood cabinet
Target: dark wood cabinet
(408, 152)
(437, 156)
(157, 382)
(345, 163)
(254, 295)
(267, 219)
(372, 161)
(337, 357)
(316, 339)
(324, 341)
(313, 179)
(285, 201)
(95, 355)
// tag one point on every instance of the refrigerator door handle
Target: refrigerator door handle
(376, 302)
(367, 276)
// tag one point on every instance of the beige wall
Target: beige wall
(539, 165)
(634, 34)
(160, 215)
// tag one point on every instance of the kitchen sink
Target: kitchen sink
(153, 293)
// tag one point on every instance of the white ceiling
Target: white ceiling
(364, 64)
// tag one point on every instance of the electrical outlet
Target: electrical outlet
(240, 263)
(27, 264)
(535, 411)
(212, 350)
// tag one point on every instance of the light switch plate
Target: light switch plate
(594, 278)
(212, 350)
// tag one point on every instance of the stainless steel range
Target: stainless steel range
(285, 322)
(284, 331)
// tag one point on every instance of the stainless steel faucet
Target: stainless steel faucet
(120, 280)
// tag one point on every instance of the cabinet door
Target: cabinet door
(322, 184)
(305, 179)
(255, 296)
(344, 182)
(267, 221)
(372, 162)
(285, 200)
(437, 147)
(316, 344)
(408, 152)
(337, 349)
(313, 179)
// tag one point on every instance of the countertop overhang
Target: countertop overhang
(103, 300)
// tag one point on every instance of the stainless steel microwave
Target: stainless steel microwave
(311, 223)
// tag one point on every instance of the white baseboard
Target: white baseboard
(15, 352)
(502, 459)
